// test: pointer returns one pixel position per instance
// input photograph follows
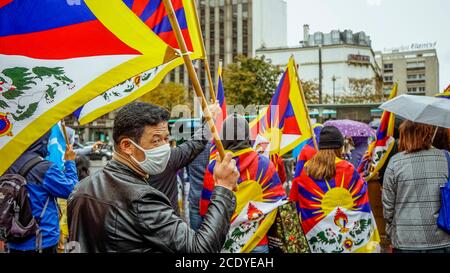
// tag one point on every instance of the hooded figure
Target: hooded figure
(256, 172)
(235, 134)
(45, 181)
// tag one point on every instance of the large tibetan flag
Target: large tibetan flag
(258, 196)
(153, 14)
(285, 121)
(378, 151)
(445, 94)
(336, 216)
(56, 56)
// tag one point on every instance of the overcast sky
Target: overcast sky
(389, 23)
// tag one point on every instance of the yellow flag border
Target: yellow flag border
(13, 149)
(260, 232)
(194, 32)
(299, 111)
(390, 132)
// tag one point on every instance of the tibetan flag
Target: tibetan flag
(378, 151)
(307, 152)
(445, 94)
(285, 122)
(336, 216)
(56, 56)
(258, 196)
(220, 97)
(153, 14)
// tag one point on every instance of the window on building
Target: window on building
(388, 78)
(388, 66)
(415, 65)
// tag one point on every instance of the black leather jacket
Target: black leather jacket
(115, 210)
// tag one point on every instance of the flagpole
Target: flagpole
(193, 75)
(212, 93)
(63, 127)
(304, 105)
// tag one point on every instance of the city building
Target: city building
(235, 27)
(415, 68)
(337, 62)
(99, 129)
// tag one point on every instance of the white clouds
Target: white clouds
(374, 2)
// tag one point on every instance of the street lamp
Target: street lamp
(320, 74)
(334, 79)
(334, 88)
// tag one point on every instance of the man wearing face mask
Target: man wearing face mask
(163, 162)
(117, 210)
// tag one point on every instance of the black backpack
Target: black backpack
(17, 223)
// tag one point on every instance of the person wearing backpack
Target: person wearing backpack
(411, 192)
(44, 183)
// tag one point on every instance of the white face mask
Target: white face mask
(156, 159)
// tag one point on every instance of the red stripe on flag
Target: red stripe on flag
(139, 6)
(170, 39)
(291, 126)
(4, 3)
(161, 12)
(80, 40)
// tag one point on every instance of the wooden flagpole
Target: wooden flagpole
(305, 106)
(205, 60)
(212, 93)
(63, 127)
(193, 75)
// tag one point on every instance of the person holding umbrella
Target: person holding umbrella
(411, 192)
(411, 195)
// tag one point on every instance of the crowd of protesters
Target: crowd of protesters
(131, 205)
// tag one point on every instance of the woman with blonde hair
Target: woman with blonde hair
(333, 202)
(411, 192)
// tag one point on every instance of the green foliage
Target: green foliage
(311, 91)
(27, 114)
(250, 81)
(362, 91)
(167, 95)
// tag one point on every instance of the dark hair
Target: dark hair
(235, 134)
(132, 118)
(441, 140)
(83, 164)
(415, 137)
